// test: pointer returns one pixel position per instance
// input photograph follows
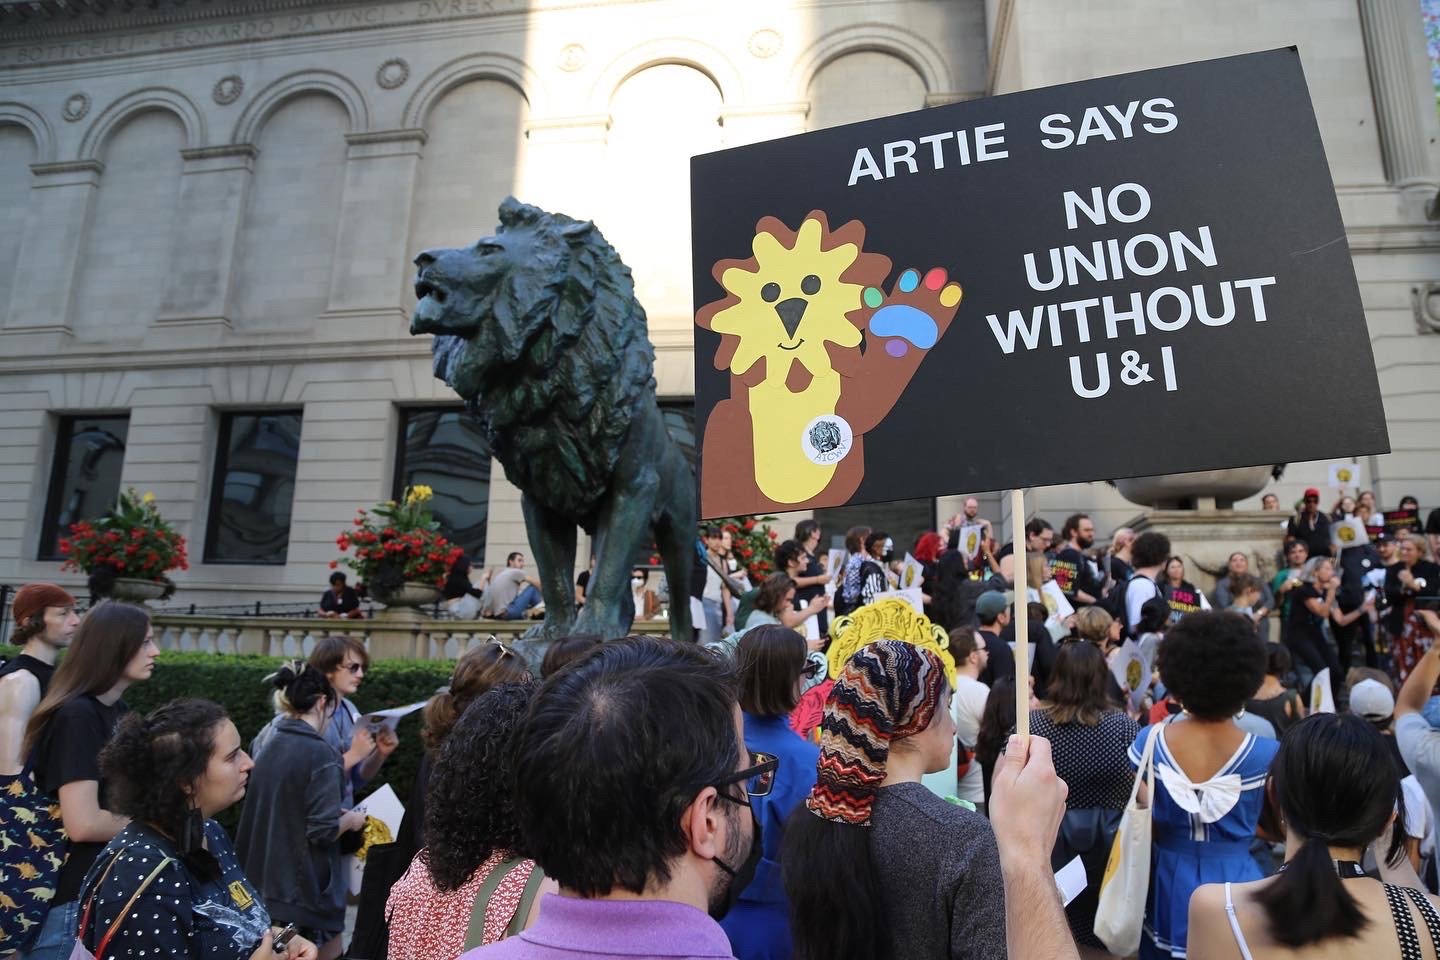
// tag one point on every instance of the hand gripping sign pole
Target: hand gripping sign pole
(1022, 614)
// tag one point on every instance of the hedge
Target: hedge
(237, 683)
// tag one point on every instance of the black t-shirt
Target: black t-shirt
(583, 582)
(41, 670)
(1432, 522)
(1042, 653)
(1074, 572)
(1001, 662)
(803, 595)
(69, 750)
(347, 601)
(1316, 537)
(1304, 625)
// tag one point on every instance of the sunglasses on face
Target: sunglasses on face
(757, 779)
(355, 668)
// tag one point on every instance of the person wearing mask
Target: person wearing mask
(288, 838)
(477, 886)
(478, 670)
(169, 885)
(1149, 553)
(45, 622)
(113, 649)
(811, 577)
(1209, 774)
(993, 614)
(340, 601)
(1239, 566)
(848, 580)
(1274, 701)
(1334, 800)
(1311, 525)
(1409, 580)
(1077, 574)
(870, 835)
(1089, 739)
(771, 662)
(643, 599)
(1312, 604)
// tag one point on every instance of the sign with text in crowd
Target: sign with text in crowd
(1402, 521)
(1035, 288)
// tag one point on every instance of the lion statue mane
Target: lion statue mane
(538, 329)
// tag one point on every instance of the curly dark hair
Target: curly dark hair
(771, 596)
(470, 800)
(149, 761)
(1212, 662)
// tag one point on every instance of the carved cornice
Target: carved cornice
(223, 150)
(67, 166)
(387, 136)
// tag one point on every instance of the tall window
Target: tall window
(254, 487)
(85, 478)
(445, 449)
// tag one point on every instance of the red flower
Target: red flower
(750, 524)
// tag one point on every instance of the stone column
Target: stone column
(56, 224)
(213, 190)
(1404, 105)
(372, 254)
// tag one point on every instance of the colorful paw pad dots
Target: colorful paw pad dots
(901, 325)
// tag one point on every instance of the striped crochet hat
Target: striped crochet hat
(886, 691)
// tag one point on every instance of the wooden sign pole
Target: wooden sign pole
(1022, 614)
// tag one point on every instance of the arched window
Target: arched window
(660, 118)
(862, 86)
(17, 152)
(287, 243)
(129, 243)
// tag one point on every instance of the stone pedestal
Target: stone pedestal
(396, 633)
(1204, 539)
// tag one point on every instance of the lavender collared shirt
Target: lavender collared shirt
(570, 928)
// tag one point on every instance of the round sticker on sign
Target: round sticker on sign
(827, 439)
(1343, 475)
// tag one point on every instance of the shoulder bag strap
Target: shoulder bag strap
(1146, 769)
(85, 911)
(527, 900)
(1428, 914)
(475, 933)
(124, 911)
(1404, 924)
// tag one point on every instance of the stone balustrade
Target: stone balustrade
(425, 639)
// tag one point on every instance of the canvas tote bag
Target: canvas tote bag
(1123, 890)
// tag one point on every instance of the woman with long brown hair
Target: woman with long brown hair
(113, 649)
(1089, 740)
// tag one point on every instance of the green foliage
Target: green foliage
(753, 543)
(237, 682)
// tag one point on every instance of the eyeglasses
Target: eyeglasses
(757, 778)
(355, 668)
(812, 669)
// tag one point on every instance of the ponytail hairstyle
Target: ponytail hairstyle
(105, 642)
(298, 687)
(1336, 785)
(478, 670)
(150, 761)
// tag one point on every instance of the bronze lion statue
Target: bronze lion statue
(538, 329)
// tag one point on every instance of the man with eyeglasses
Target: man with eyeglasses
(633, 794)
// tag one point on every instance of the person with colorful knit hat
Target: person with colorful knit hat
(875, 865)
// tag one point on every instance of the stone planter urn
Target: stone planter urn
(409, 595)
(1209, 489)
(133, 590)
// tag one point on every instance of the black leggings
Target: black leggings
(1357, 631)
(1311, 648)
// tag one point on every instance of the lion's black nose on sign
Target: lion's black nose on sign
(790, 313)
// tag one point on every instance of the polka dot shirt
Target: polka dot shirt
(180, 914)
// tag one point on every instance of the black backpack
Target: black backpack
(1115, 605)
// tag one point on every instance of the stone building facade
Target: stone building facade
(208, 211)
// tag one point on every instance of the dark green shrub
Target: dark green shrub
(237, 683)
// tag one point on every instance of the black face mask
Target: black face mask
(739, 877)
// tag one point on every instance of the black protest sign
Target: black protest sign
(1402, 521)
(1028, 289)
(1182, 600)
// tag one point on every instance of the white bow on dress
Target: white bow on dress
(1211, 800)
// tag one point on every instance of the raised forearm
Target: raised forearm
(1035, 927)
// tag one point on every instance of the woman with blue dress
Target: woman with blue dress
(1209, 774)
(772, 663)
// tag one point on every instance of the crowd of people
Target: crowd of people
(768, 792)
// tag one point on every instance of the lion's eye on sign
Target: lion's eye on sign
(770, 292)
(810, 285)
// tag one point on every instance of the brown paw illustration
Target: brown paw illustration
(916, 313)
